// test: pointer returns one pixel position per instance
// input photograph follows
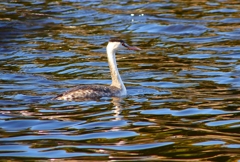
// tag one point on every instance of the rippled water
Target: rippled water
(184, 86)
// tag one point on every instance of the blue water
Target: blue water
(183, 86)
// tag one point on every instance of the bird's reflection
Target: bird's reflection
(117, 109)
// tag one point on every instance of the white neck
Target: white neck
(116, 78)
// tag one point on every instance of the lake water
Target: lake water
(183, 100)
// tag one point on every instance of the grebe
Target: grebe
(116, 89)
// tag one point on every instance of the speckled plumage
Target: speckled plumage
(89, 92)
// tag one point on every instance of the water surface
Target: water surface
(183, 87)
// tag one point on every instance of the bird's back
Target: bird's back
(89, 92)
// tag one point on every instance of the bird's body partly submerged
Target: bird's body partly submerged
(116, 89)
(90, 92)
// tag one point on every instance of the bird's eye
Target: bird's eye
(124, 45)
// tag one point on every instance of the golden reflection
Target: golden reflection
(48, 46)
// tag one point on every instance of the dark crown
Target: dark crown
(115, 39)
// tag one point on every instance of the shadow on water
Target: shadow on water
(183, 87)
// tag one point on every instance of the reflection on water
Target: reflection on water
(183, 87)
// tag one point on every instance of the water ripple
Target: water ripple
(106, 135)
(183, 86)
(185, 112)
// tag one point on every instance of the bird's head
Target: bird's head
(115, 44)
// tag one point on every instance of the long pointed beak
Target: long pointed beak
(133, 48)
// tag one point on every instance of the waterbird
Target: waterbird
(116, 89)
